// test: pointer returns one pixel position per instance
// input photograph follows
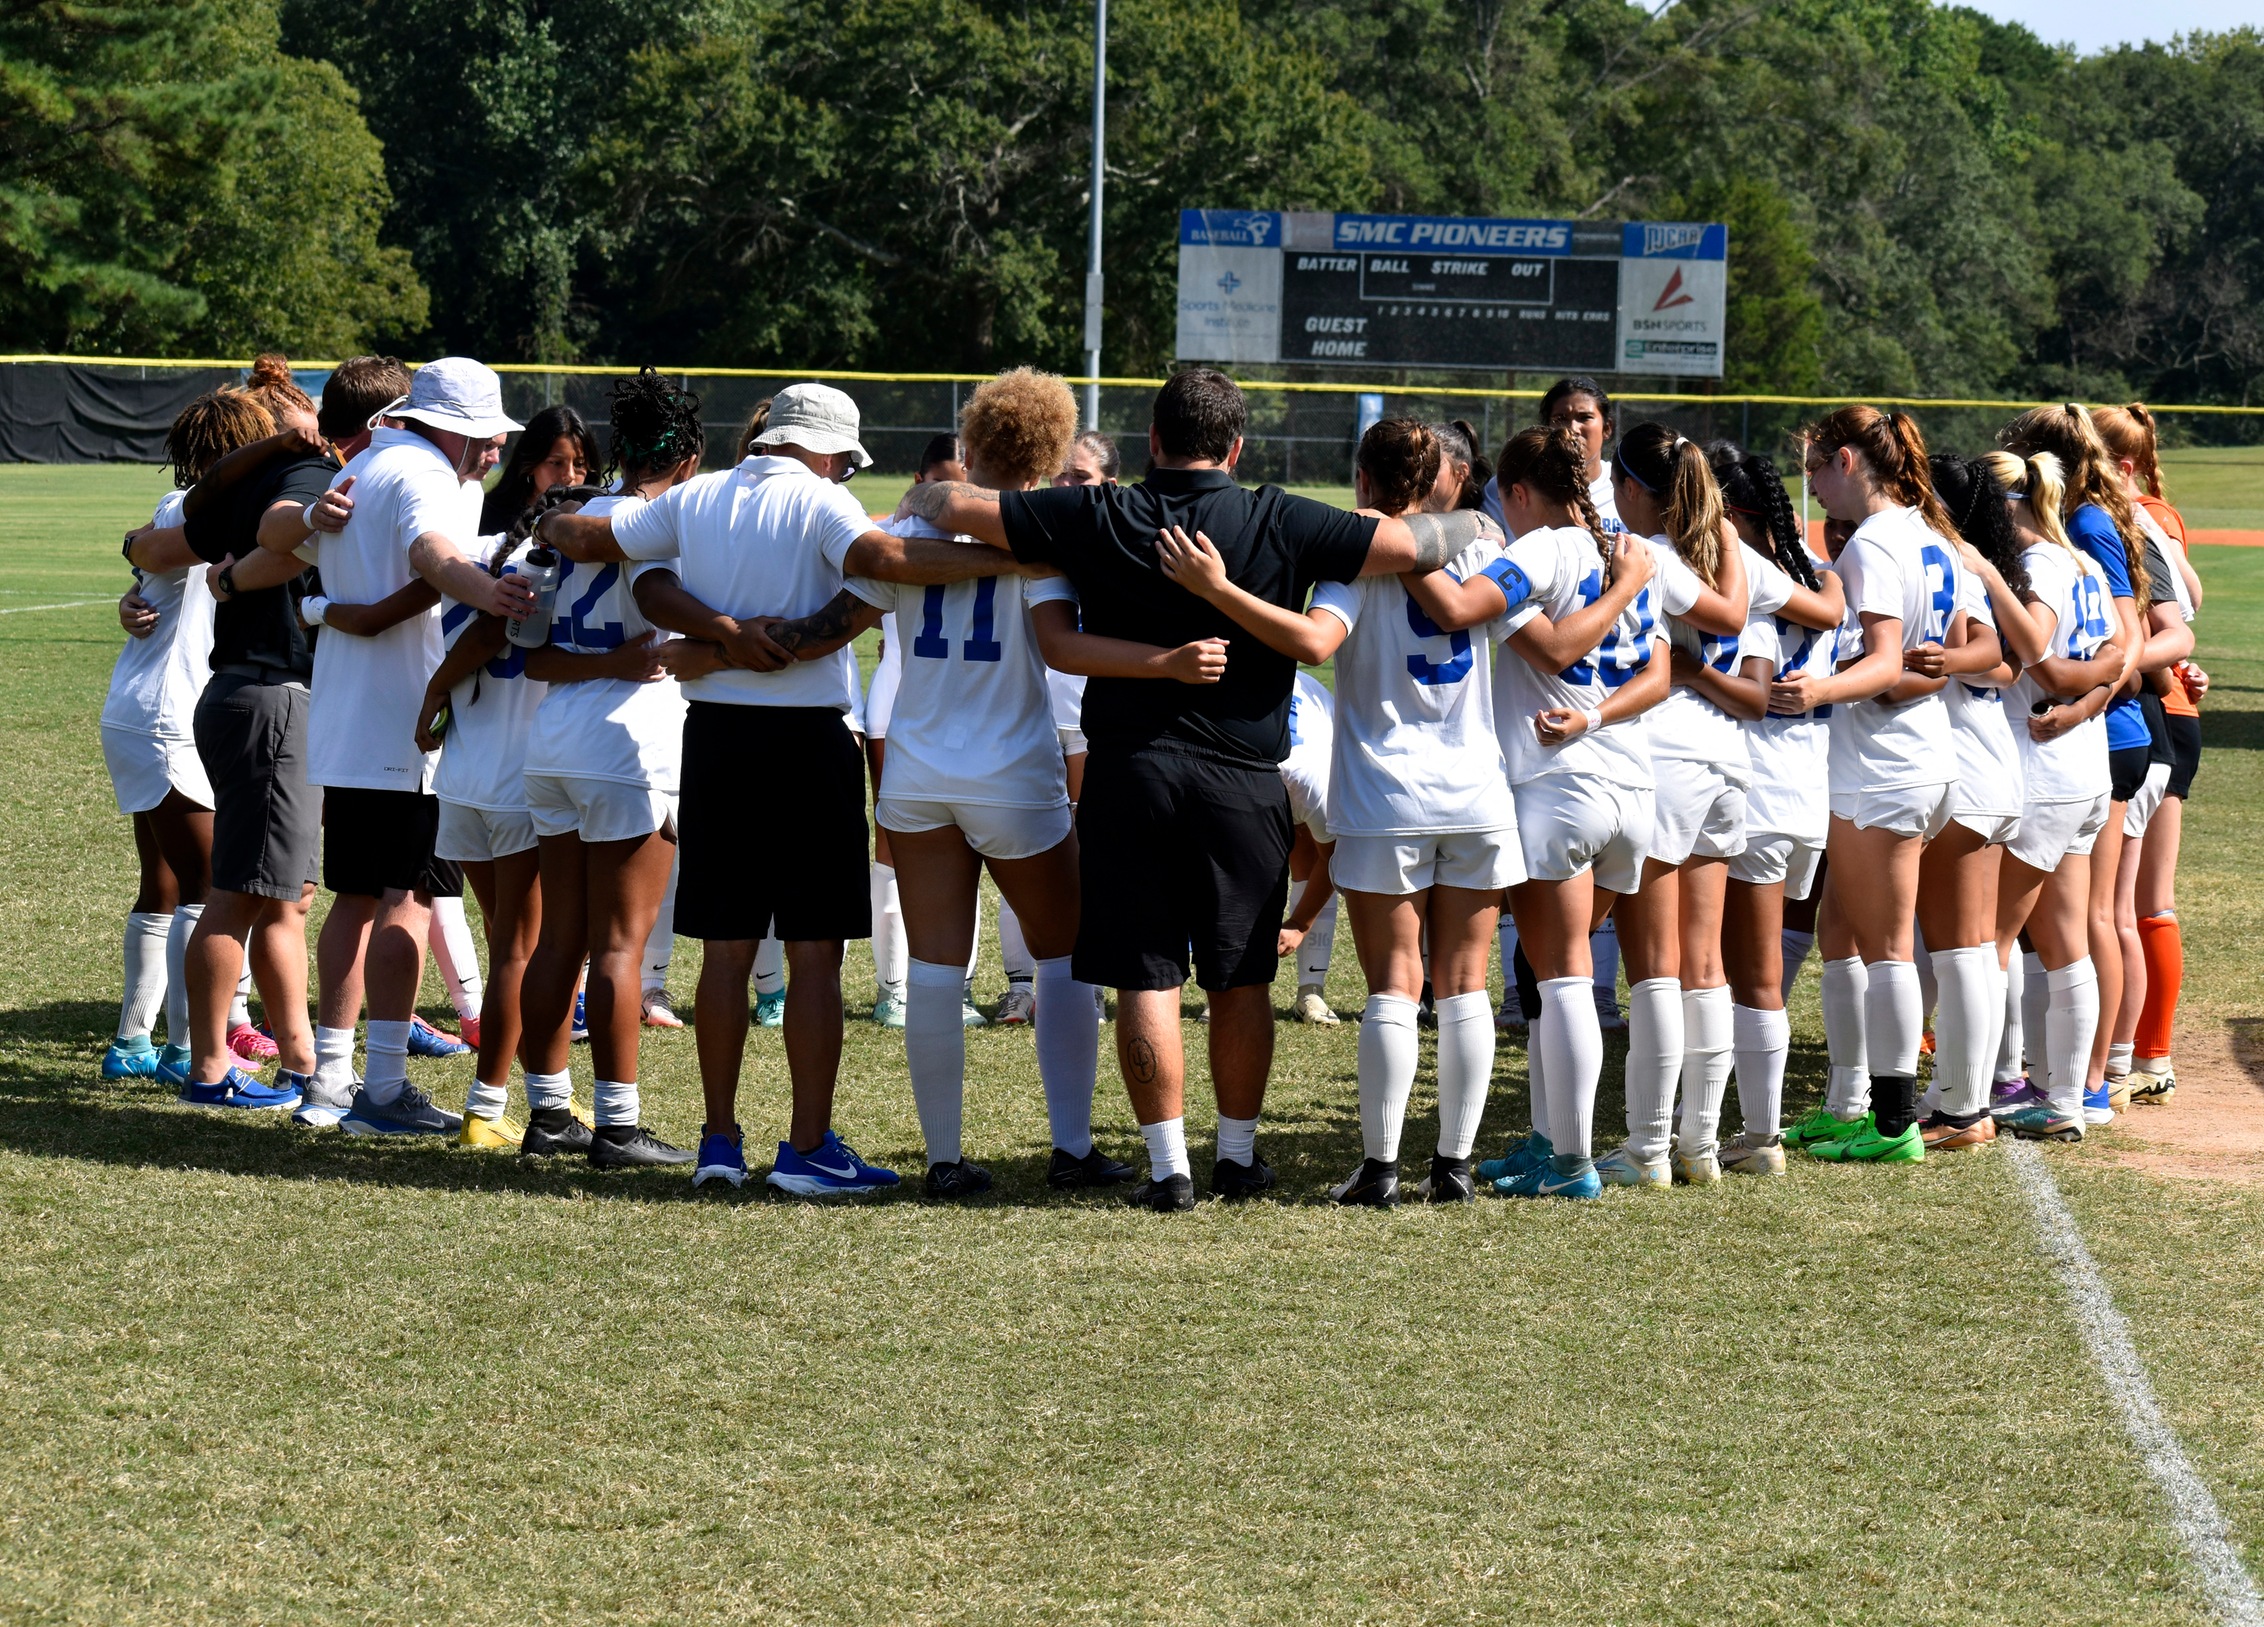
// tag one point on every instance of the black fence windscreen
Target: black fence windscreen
(56, 413)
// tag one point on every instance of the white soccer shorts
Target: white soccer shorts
(995, 832)
(1479, 860)
(596, 810)
(144, 768)
(1905, 810)
(470, 835)
(2050, 831)
(1568, 823)
(1771, 856)
(1700, 812)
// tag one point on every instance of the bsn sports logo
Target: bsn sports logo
(1672, 295)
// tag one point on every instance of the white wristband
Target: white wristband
(306, 515)
(313, 608)
(1595, 719)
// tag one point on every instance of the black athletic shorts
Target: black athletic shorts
(375, 842)
(1179, 850)
(266, 819)
(770, 825)
(2185, 751)
(2126, 769)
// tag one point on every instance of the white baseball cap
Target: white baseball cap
(818, 418)
(459, 394)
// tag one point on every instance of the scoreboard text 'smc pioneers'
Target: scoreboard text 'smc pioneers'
(1436, 291)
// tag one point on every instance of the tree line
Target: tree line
(1921, 200)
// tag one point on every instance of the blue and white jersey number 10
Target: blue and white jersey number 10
(1620, 656)
(2090, 629)
(981, 644)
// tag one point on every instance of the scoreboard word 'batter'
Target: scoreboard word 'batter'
(1570, 296)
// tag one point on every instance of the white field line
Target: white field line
(74, 604)
(2193, 1511)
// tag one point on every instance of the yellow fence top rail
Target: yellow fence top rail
(1284, 386)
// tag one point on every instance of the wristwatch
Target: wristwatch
(226, 581)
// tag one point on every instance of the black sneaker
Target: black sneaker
(552, 1131)
(627, 1146)
(1096, 1168)
(1234, 1182)
(1449, 1181)
(960, 1180)
(1374, 1185)
(1166, 1196)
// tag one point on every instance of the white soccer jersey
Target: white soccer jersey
(1600, 494)
(1561, 571)
(2072, 768)
(607, 728)
(490, 716)
(973, 720)
(1896, 566)
(155, 686)
(1989, 779)
(1066, 691)
(1686, 724)
(1312, 743)
(888, 672)
(1790, 757)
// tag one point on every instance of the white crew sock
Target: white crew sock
(240, 1008)
(2035, 1000)
(1795, 945)
(1320, 943)
(458, 956)
(616, 1101)
(1068, 1042)
(660, 943)
(770, 966)
(1760, 1040)
(1965, 1027)
(890, 953)
(486, 1101)
(2011, 982)
(2118, 1057)
(548, 1091)
(1929, 992)
(1847, 1092)
(1466, 1069)
(1167, 1148)
(385, 1049)
(147, 934)
(1708, 1033)
(1237, 1140)
(1654, 1059)
(1387, 1073)
(1891, 1023)
(2071, 1023)
(1603, 944)
(184, 922)
(334, 1056)
(1570, 1037)
(935, 1051)
(1013, 948)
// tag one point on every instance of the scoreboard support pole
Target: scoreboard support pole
(1093, 222)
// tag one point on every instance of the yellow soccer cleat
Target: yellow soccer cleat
(489, 1135)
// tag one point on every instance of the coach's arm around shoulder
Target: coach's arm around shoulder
(442, 564)
(1417, 543)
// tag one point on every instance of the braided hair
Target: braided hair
(1458, 447)
(1400, 457)
(656, 426)
(1549, 459)
(1970, 491)
(1751, 486)
(210, 427)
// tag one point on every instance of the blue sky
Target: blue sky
(2094, 25)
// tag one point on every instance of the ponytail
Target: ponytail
(1549, 459)
(1675, 471)
(1751, 486)
(2071, 435)
(2129, 432)
(1400, 457)
(1893, 447)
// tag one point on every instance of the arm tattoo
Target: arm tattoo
(825, 626)
(930, 500)
(1439, 537)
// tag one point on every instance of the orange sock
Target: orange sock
(2164, 949)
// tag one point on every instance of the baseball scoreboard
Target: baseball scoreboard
(1442, 291)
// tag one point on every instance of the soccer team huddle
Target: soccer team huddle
(1599, 698)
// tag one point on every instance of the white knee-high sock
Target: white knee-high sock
(1654, 1060)
(1572, 1041)
(1965, 1026)
(974, 941)
(1760, 1040)
(660, 943)
(1795, 945)
(1603, 944)
(458, 958)
(1068, 1040)
(935, 1052)
(889, 951)
(1848, 1090)
(2071, 1023)
(1466, 1069)
(1929, 992)
(770, 964)
(1387, 1073)
(184, 922)
(1536, 1085)
(2035, 1000)
(1891, 1021)
(1708, 1032)
(240, 1008)
(1013, 948)
(147, 946)
(2011, 982)
(1320, 943)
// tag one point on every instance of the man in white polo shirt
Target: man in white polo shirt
(772, 816)
(412, 502)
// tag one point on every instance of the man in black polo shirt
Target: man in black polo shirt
(1184, 828)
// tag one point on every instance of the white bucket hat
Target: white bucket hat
(459, 394)
(818, 418)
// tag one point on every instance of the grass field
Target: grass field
(256, 1374)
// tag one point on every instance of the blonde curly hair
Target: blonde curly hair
(1018, 427)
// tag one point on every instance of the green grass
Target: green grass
(256, 1374)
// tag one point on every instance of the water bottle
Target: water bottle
(542, 569)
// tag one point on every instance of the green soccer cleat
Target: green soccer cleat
(1824, 1125)
(1867, 1146)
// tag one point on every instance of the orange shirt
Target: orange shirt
(2168, 518)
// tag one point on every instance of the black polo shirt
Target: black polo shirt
(260, 627)
(1276, 547)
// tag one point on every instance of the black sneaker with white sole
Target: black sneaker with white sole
(1374, 1185)
(553, 1132)
(628, 1146)
(411, 1113)
(1449, 1181)
(1168, 1195)
(960, 1180)
(1234, 1182)
(1096, 1168)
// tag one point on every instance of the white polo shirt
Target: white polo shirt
(764, 539)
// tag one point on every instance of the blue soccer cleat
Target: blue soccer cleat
(831, 1169)
(426, 1040)
(173, 1066)
(240, 1089)
(720, 1159)
(2098, 1105)
(130, 1059)
(770, 1010)
(1531, 1153)
(1549, 1182)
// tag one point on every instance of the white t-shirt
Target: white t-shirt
(1067, 692)
(490, 714)
(607, 728)
(1312, 743)
(1416, 752)
(158, 680)
(1561, 571)
(1989, 780)
(2072, 768)
(1789, 791)
(1896, 566)
(361, 722)
(1686, 724)
(973, 721)
(766, 538)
